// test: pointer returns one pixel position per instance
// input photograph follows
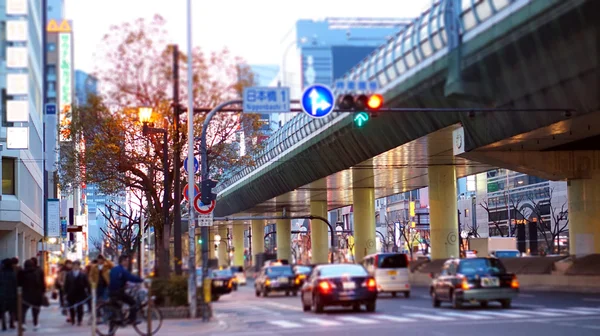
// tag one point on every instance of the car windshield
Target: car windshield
(507, 254)
(221, 273)
(481, 266)
(279, 270)
(303, 269)
(342, 270)
(393, 261)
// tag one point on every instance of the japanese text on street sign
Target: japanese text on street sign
(266, 99)
(205, 220)
(66, 92)
(343, 86)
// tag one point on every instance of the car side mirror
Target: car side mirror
(432, 275)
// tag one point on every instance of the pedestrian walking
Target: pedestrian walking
(77, 289)
(100, 275)
(8, 293)
(33, 291)
(87, 270)
(60, 280)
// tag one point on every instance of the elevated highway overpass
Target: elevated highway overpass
(522, 54)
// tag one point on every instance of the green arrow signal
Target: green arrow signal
(361, 119)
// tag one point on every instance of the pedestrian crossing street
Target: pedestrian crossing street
(440, 315)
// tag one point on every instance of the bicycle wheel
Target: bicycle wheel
(105, 320)
(156, 319)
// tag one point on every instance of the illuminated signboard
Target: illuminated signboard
(66, 84)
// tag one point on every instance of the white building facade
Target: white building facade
(21, 132)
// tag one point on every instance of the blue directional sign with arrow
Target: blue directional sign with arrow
(317, 101)
(196, 165)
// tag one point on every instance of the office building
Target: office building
(21, 132)
(319, 51)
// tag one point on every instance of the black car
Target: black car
(475, 280)
(347, 285)
(223, 282)
(275, 279)
(302, 272)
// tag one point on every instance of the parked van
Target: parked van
(390, 271)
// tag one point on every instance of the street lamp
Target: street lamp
(145, 115)
(217, 239)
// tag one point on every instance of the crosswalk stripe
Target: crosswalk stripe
(430, 317)
(285, 324)
(356, 320)
(321, 322)
(596, 310)
(570, 311)
(393, 318)
(499, 314)
(466, 315)
(535, 312)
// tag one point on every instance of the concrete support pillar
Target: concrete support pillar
(443, 212)
(319, 233)
(238, 243)
(363, 200)
(284, 237)
(584, 215)
(258, 241)
(222, 248)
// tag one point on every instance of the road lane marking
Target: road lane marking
(466, 315)
(283, 306)
(356, 320)
(285, 324)
(570, 311)
(499, 314)
(525, 305)
(591, 309)
(592, 327)
(430, 317)
(321, 322)
(393, 318)
(535, 312)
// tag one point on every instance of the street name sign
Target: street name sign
(266, 100)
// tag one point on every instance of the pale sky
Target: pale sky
(252, 29)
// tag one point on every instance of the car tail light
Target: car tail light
(514, 283)
(370, 284)
(230, 283)
(324, 286)
(267, 282)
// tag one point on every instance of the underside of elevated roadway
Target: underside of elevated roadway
(532, 59)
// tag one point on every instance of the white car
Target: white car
(240, 275)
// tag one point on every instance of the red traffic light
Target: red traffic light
(375, 102)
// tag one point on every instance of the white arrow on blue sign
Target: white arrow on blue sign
(51, 108)
(317, 101)
(196, 165)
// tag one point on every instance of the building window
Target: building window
(8, 176)
(51, 70)
(51, 47)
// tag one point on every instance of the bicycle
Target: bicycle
(109, 317)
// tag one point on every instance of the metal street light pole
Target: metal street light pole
(191, 183)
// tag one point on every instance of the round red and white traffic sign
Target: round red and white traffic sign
(185, 191)
(201, 208)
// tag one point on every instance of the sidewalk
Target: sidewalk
(52, 322)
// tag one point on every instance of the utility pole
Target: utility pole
(176, 167)
(192, 297)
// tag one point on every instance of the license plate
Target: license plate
(392, 273)
(349, 285)
(218, 283)
(282, 280)
(490, 282)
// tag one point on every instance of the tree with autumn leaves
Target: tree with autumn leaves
(108, 147)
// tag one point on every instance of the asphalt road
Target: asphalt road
(533, 313)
